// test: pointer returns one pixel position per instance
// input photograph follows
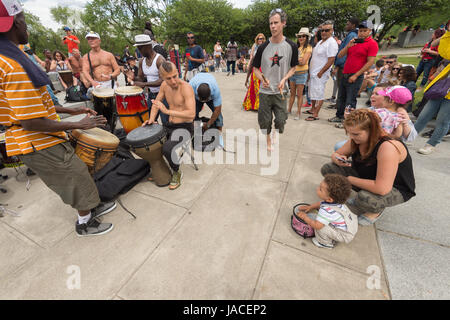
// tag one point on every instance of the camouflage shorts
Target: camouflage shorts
(363, 201)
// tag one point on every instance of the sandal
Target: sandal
(312, 118)
(307, 112)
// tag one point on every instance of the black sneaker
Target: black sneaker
(428, 134)
(332, 106)
(92, 228)
(103, 208)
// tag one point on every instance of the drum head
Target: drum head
(103, 92)
(145, 136)
(129, 91)
(96, 137)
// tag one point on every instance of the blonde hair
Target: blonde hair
(260, 34)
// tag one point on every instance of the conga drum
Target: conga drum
(95, 147)
(104, 105)
(67, 77)
(147, 143)
(8, 161)
(132, 108)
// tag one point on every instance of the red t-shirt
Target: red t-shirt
(357, 55)
(427, 56)
(70, 44)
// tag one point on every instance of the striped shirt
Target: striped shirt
(20, 100)
(329, 213)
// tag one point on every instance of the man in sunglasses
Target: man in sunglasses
(322, 59)
(361, 53)
(277, 59)
(194, 58)
(387, 69)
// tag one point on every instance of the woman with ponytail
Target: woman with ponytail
(380, 169)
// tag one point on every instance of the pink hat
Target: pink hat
(8, 9)
(398, 94)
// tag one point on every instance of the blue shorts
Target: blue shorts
(299, 78)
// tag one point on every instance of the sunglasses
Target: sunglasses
(191, 37)
(278, 10)
(261, 39)
(302, 36)
(395, 68)
(325, 30)
(389, 62)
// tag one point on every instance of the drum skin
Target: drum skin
(149, 148)
(95, 147)
(131, 101)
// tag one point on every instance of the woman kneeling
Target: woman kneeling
(381, 170)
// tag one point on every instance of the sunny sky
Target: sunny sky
(41, 8)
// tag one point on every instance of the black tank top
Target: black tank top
(404, 180)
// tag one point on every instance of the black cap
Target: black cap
(131, 58)
(366, 24)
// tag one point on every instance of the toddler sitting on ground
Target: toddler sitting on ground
(334, 221)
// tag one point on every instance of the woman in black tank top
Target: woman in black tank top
(381, 169)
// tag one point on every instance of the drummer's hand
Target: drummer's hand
(107, 77)
(147, 123)
(95, 84)
(161, 107)
(82, 110)
(90, 122)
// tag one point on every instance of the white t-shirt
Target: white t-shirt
(321, 52)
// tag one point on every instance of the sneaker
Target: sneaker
(103, 208)
(427, 149)
(318, 244)
(428, 134)
(335, 119)
(447, 135)
(297, 117)
(176, 180)
(331, 100)
(228, 73)
(339, 125)
(307, 105)
(92, 228)
(332, 106)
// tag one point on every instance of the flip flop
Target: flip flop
(307, 112)
(311, 118)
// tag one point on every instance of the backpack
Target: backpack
(74, 94)
(119, 176)
(160, 49)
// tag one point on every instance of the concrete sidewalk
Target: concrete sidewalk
(226, 234)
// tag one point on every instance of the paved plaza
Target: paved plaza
(226, 234)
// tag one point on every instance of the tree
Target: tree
(210, 20)
(396, 12)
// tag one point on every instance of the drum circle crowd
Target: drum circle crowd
(156, 103)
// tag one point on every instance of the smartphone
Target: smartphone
(358, 40)
(343, 160)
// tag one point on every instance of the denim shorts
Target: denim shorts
(299, 78)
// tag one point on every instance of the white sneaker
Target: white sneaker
(427, 149)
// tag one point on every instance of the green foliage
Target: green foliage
(118, 21)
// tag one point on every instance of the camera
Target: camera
(358, 40)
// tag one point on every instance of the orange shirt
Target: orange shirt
(70, 44)
(20, 100)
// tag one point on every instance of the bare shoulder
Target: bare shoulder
(186, 89)
(393, 148)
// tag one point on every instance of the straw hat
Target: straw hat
(304, 31)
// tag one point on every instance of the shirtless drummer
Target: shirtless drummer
(181, 99)
(105, 69)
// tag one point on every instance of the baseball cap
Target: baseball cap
(398, 94)
(92, 34)
(365, 24)
(8, 9)
(67, 29)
